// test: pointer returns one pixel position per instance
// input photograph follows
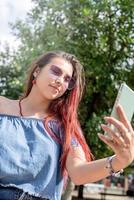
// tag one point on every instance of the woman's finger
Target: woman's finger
(123, 118)
(120, 127)
(124, 136)
(116, 136)
(108, 141)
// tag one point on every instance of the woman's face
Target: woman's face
(53, 79)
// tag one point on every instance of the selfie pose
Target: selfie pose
(41, 141)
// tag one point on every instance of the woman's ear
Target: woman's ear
(36, 72)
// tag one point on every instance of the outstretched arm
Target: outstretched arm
(122, 143)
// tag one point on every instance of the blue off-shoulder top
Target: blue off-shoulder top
(29, 156)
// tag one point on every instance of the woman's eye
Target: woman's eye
(56, 71)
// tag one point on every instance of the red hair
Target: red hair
(65, 108)
(67, 112)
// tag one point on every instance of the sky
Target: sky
(10, 11)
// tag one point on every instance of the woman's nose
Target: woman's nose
(59, 80)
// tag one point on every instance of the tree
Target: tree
(99, 33)
(10, 83)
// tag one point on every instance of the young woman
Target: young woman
(41, 139)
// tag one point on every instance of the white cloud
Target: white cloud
(10, 11)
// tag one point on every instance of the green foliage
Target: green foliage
(99, 33)
(10, 85)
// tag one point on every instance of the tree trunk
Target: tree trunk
(67, 194)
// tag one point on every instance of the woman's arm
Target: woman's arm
(122, 143)
(82, 172)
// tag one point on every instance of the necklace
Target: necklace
(20, 108)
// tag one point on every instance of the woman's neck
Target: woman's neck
(35, 105)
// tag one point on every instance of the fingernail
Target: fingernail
(99, 134)
(119, 106)
(106, 118)
(103, 125)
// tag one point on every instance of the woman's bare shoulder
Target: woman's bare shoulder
(3, 99)
(5, 103)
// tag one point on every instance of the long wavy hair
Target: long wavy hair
(65, 107)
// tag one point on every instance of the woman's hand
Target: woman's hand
(121, 138)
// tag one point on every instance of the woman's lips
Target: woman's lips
(55, 88)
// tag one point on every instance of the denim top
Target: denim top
(29, 156)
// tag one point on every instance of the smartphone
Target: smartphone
(125, 98)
